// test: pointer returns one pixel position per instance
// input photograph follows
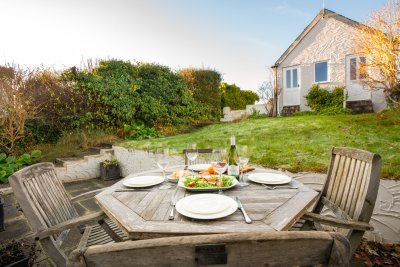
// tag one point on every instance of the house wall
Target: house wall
(329, 40)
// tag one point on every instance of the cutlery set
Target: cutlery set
(280, 187)
(131, 190)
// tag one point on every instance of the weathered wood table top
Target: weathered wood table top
(144, 214)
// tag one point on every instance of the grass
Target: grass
(299, 143)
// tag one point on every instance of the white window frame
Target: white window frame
(290, 69)
(327, 71)
(358, 61)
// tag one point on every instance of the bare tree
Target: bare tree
(15, 109)
(268, 94)
(379, 41)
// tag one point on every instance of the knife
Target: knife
(240, 206)
(131, 190)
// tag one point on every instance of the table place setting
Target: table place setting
(142, 181)
(206, 206)
(269, 178)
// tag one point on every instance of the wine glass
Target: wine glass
(220, 165)
(191, 154)
(162, 160)
(243, 161)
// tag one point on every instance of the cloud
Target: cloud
(285, 9)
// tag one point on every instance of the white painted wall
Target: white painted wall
(329, 40)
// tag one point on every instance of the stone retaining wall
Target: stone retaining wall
(131, 161)
(84, 169)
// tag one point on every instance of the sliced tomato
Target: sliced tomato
(220, 183)
(212, 181)
(191, 184)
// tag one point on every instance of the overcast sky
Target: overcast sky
(239, 38)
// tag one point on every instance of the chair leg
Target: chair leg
(109, 231)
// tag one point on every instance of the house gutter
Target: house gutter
(275, 71)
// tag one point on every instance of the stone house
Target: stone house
(323, 54)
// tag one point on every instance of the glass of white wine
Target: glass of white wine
(243, 152)
(220, 165)
(191, 154)
(162, 160)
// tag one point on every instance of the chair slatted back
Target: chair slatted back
(44, 194)
(234, 249)
(351, 188)
(204, 156)
(42, 197)
(352, 181)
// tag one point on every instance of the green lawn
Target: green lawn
(299, 143)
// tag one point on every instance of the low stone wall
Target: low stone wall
(84, 169)
(236, 115)
(134, 160)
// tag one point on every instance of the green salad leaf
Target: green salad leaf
(207, 181)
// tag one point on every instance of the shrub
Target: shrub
(235, 98)
(319, 99)
(11, 164)
(204, 86)
(138, 131)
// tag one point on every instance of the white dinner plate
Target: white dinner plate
(269, 178)
(206, 206)
(142, 181)
(181, 183)
(199, 167)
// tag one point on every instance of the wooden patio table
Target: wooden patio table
(144, 214)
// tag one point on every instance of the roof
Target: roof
(324, 13)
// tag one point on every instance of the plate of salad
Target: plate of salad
(207, 182)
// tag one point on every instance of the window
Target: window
(321, 72)
(353, 69)
(291, 78)
(295, 82)
(363, 61)
(288, 79)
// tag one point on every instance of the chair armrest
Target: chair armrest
(86, 194)
(55, 229)
(337, 222)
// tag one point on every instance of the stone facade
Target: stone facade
(330, 39)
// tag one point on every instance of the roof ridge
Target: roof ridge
(322, 14)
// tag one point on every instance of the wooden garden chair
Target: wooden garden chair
(349, 194)
(233, 249)
(51, 213)
(204, 156)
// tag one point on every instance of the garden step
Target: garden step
(360, 106)
(289, 110)
(59, 162)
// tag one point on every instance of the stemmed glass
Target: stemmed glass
(191, 154)
(162, 160)
(243, 161)
(220, 165)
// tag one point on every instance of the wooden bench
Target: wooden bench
(235, 249)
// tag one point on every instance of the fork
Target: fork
(171, 214)
(279, 187)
